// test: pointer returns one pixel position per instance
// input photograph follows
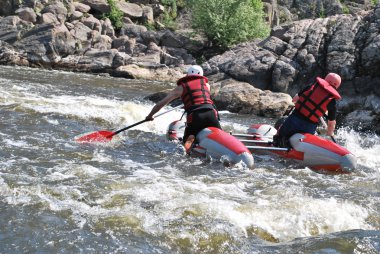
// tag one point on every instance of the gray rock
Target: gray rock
(130, 9)
(169, 39)
(133, 30)
(240, 97)
(27, 14)
(147, 15)
(100, 6)
(82, 34)
(58, 9)
(46, 43)
(92, 23)
(119, 42)
(107, 28)
(8, 7)
(76, 15)
(81, 7)
(97, 60)
(48, 18)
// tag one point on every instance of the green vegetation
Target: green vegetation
(346, 10)
(168, 21)
(228, 22)
(322, 13)
(115, 15)
(374, 2)
(171, 12)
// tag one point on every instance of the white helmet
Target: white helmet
(195, 70)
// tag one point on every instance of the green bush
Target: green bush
(168, 18)
(115, 15)
(228, 22)
(346, 10)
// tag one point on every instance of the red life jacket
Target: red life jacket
(195, 91)
(313, 102)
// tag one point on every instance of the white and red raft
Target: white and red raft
(215, 143)
(317, 153)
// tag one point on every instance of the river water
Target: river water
(141, 194)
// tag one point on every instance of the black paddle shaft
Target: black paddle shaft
(143, 121)
(130, 126)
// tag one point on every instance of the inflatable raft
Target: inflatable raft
(215, 143)
(317, 153)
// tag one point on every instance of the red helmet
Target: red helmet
(333, 79)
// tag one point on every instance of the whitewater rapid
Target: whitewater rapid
(140, 193)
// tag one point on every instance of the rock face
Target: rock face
(282, 11)
(296, 53)
(65, 35)
(251, 78)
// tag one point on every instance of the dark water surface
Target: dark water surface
(140, 194)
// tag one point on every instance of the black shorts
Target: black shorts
(200, 119)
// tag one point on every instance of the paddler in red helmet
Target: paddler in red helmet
(194, 91)
(312, 103)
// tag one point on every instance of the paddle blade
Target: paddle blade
(97, 136)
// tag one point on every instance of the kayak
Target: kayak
(317, 153)
(215, 143)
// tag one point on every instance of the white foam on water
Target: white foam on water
(100, 156)
(51, 121)
(299, 216)
(16, 143)
(86, 107)
(365, 147)
(234, 127)
(77, 170)
(286, 214)
(14, 196)
(118, 113)
(58, 176)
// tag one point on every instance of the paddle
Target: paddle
(106, 136)
(325, 126)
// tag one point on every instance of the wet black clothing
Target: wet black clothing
(199, 119)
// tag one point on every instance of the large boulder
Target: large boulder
(154, 72)
(58, 9)
(46, 44)
(27, 14)
(8, 55)
(98, 6)
(240, 97)
(130, 10)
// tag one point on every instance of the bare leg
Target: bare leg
(189, 143)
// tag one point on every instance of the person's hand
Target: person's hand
(149, 118)
(321, 130)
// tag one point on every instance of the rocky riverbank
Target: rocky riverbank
(256, 77)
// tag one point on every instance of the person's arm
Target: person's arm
(174, 94)
(331, 127)
(295, 98)
(331, 116)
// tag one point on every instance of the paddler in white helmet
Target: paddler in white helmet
(194, 91)
(312, 103)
